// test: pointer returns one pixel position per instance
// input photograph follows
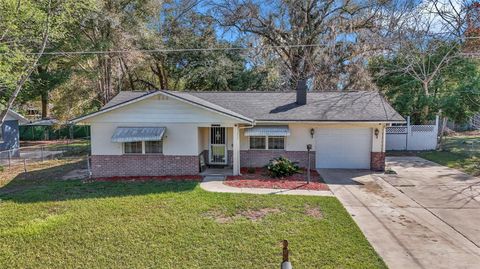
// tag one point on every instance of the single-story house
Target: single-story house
(172, 133)
(9, 134)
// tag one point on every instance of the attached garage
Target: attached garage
(343, 148)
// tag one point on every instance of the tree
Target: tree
(426, 58)
(53, 70)
(472, 31)
(14, 34)
(453, 89)
(109, 28)
(331, 36)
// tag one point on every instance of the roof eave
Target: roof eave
(82, 119)
(237, 117)
(328, 121)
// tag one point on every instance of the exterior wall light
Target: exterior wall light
(312, 132)
(376, 132)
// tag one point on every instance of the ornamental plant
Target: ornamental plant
(282, 167)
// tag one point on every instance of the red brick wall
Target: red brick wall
(143, 165)
(260, 158)
(377, 161)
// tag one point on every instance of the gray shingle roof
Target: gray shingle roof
(321, 106)
(281, 106)
(125, 96)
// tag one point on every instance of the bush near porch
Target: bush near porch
(46, 222)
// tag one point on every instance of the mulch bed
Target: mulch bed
(261, 179)
(151, 178)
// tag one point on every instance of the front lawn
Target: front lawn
(47, 223)
(459, 152)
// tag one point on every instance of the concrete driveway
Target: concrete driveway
(426, 216)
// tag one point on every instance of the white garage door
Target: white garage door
(343, 148)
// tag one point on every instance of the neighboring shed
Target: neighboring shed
(9, 134)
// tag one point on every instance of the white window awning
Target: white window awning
(273, 130)
(135, 134)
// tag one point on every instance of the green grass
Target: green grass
(460, 152)
(47, 223)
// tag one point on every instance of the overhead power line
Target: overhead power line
(168, 50)
(183, 50)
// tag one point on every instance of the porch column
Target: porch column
(236, 150)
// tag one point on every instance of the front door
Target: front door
(218, 145)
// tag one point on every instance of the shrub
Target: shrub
(1, 168)
(282, 167)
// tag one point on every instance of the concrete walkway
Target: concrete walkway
(215, 184)
(403, 229)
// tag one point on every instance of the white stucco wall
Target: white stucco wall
(300, 135)
(183, 122)
(162, 109)
(203, 138)
(179, 139)
(188, 128)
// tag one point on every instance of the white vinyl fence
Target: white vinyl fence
(412, 137)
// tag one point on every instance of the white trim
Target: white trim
(325, 122)
(82, 118)
(236, 150)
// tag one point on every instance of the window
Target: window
(276, 142)
(153, 147)
(143, 147)
(257, 142)
(132, 147)
(267, 142)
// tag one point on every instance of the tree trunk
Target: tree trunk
(129, 75)
(45, 104)
(442, 131)
(426, 108)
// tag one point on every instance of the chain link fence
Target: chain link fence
(34, 152)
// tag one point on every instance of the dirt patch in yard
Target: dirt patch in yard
(259, 214)
(313, 212)
(253, 215)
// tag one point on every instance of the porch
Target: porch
(219, 150)
(217, 171)
(223, 149)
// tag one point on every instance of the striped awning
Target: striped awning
(135, 134)
(274, 130)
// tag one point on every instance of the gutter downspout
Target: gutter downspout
(236, 147)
